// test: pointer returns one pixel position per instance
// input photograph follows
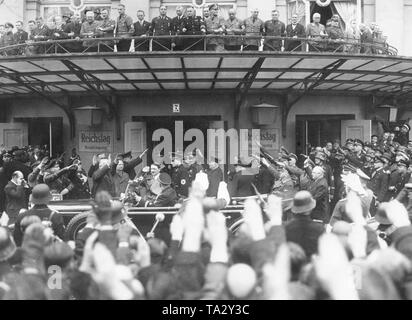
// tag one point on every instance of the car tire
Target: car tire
(75, 225)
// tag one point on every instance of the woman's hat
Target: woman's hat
(303, 202)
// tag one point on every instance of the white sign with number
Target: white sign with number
(176, 107)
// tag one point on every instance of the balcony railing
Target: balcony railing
(200, 43)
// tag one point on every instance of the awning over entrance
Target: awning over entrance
(283, 72)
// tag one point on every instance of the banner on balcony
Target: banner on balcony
(95, 141)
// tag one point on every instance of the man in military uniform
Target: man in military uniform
(167, 196)
(20, 36)
(58, 33)
(73, 32)
(398, 178)
(89, 31)
(357, 157)
(124, 29)
(293, 170)
(368, 164)
(233, 26)
(179, 175)
(215, 176)
(215, 25)
(320, 160)
(177, 26)
(8, 38)
(274, 28)
(316, 31)
(40, 198)
(106, 29)
(263, 179)
(241, 183)
(141, 29)
(379, 179)
(253, 27)
(374, 141)
(161, 26)
(206, 12)
(403, 136)
(130, 164)
(194, 166)
(40, 34)
(193, 25)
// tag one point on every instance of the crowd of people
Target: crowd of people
(353, 247)
(357, 38)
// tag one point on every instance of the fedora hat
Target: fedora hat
(303, 202)
(41, 194)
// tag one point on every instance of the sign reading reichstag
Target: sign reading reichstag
(95, 141)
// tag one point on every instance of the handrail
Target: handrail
(287, 44)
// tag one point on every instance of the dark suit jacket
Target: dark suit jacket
(177, 25)
(319, 190)
(129, 167)
(299, 31)
(379, 184)
(120, 180)
(16, 199)
(141, 29)
(214, 177)
(305, 232)
(241, 185)
(367, 39)
(264, 180)
(103, 181)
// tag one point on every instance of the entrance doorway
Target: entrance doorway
(325, 12)
(316, 130)
(169, 123)
(45, 132)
